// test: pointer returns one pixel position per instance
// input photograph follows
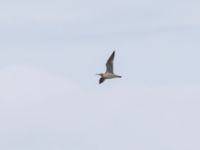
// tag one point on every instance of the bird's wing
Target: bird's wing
(109, 64)
(101, 80)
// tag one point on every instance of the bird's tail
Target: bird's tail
(119, 76)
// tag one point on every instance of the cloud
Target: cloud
(22, 82)
(30, 95)
(44, 111)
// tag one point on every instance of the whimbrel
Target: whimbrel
(109, 74)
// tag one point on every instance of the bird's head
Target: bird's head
(100, 74)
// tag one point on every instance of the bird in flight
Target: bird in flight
(109, 74)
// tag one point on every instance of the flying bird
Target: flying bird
(109, 74)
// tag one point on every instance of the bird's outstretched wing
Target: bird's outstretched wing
(109, 64)
(101, 80)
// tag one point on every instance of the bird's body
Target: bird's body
(109, 74)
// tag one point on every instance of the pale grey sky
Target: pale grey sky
(50, 52)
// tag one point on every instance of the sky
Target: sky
(51, 50)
